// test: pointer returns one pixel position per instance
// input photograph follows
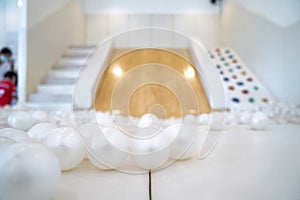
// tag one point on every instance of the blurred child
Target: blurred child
(6, 62)
(7, 88)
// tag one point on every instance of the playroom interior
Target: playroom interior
(149, 100)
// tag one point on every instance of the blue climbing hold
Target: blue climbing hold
(240, 83)
(235, 100)
(226, 79)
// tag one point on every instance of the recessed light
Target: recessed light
(189, 72)
(117, 71)
(20, 3)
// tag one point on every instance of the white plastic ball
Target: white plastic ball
(150, 149)
(107, 148)
(172, 120)
(40, 131)
(149, 120)
(217, 121)
(259, 121)
(5, 142)
(65, 143)
(203, 119)
(40, 116)
(28, 172)
(15, 134)
(7, 107)
(126, 124)
(21, 120)
(183, 141)
(231, 118)
(190, 119)
(105, 119)
(245, 117)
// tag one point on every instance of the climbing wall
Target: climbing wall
(242, 89)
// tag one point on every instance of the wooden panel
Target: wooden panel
(151, 80)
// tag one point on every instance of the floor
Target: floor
(245, 165)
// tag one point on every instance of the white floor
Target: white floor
(245, 165)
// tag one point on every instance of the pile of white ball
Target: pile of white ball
(34, 150)
(282, 112)
(39, 145)
(254, 120)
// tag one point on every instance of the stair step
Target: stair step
(56, 89)
(50, 106)
(68, 67)
(50, 98)
(75, 56)
(79, 50)
(64, 73)
(86, 46)
(73, 61)
(59, 81)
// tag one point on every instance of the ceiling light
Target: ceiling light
(189, 72)
(20, 3)
(117, 71)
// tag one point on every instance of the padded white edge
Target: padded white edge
(89, 76)
(210, 78)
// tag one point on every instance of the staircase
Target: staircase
(56, 90)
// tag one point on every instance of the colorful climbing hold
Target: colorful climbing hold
(251, 100)
(249, 79)
(245, 91)
(255, 88)
(239, 67)
(240, 83)
(234, 61)
(231, 87)
(235, 100)
(234, 77)
(265, 100)
(226, 79)
(244, 73)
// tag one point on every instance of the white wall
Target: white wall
(49, 35)
(280, 12)
(2, 23)
(268, 48)
(291, 62)
(148, 7)
(38, 10)
(195, 18)
(202, 27)
(9, 24)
